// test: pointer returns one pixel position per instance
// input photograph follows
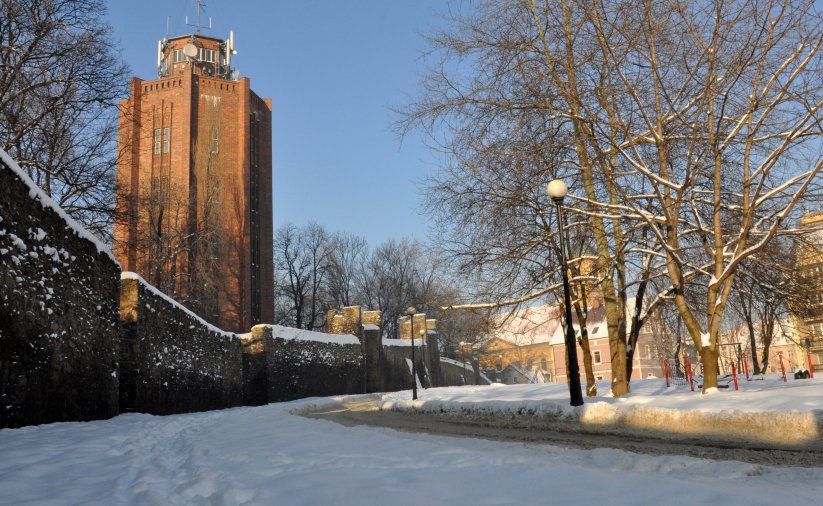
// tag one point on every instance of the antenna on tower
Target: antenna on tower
(201, 7)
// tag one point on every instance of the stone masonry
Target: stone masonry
(58, 312)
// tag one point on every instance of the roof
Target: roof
(195, 35)
(528, 325)
(541, 324)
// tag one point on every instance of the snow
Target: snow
(155, 291)
(403, 342)
(290, 334)
(768, 411)
(36, 193)
(268, 455)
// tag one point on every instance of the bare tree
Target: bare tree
(60, 79)
(302, 261)
(346, 256)
(388, 281)
(697, 123)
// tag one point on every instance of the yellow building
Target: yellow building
(532, 341)
(807, 315)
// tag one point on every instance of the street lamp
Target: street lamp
(411, 311)
(557, 190)
(424, 354)
(463, 359)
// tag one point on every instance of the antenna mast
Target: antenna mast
(201, 7)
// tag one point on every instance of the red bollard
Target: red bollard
(809, 361)
(666, 372)
(734, 376)
(746, 365)
(689, 372)
(782, 368)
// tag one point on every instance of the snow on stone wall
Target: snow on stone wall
(171, 360)
(306, 364)
(58, 311)
(397, 354)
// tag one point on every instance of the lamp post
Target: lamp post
(557, 190)
(463, 359)
(424, 355)
(411, 311)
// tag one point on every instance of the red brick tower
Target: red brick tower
(194, 198)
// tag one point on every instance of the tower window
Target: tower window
(179, 56)
(597, 358)
(156, 141)
(215, 140)
(208, 55)
(166, 134)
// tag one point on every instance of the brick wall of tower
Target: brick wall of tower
(209, 183)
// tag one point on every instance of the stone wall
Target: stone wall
(397, 354)
(172, 361)
(66, 355)
(458, 373)
(306, 364)
(58, 311)
(350, 320)
(255, 369)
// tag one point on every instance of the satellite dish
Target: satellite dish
(190, 50)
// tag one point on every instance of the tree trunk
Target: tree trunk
(591, 384)
(765, 361)
(708, 356)
(755, 361)
(634, 332)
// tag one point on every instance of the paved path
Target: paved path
(363, 410)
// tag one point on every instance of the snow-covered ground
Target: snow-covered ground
(266, 455)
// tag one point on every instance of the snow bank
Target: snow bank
(769, 412)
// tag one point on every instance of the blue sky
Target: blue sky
(333, 69)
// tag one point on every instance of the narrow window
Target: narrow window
(596, 356)
(544, 364)
(166, 140)
(156, 141)
(215, 140)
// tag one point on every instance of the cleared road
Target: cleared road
(364, 410)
